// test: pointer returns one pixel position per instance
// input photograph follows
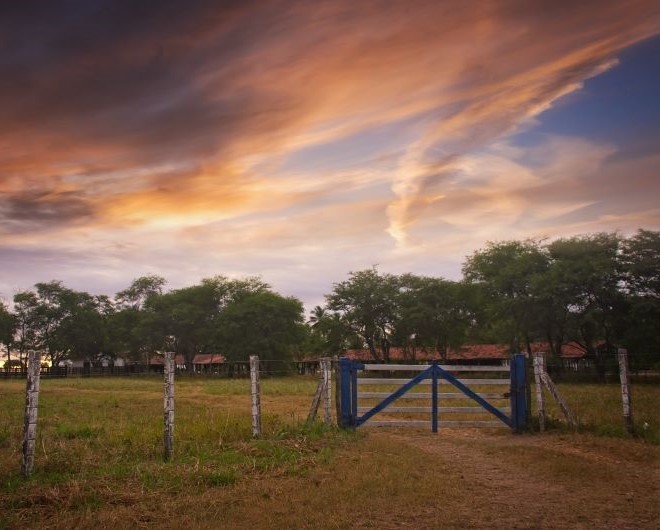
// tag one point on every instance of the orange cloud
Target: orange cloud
(115, 130)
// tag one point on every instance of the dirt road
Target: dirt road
(545, 481)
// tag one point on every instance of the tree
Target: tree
(640, 262)
(7, 329)
(368, 303)
(507, 272)
(640, 265)
(263, 323)
(328, 335)
(128, 329)
(140, 290)
(188, 317)
(59, 321)
(434, 314)
(586, 278)
(25, 314)
(183, 317)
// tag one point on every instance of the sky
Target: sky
(301, 140)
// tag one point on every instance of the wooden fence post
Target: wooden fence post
(327, 390)
(255, 393)
(168, 436)
(317, 395)
(539, 368)
(549, 384)
(624, 376)
(31, 412)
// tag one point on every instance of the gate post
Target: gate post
(518, 393)
(434, 397)
(354, 395)
(346, 409)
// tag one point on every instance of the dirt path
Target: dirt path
(549, 481)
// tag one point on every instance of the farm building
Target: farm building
(207, 362)
(484, 354)
(157, 362)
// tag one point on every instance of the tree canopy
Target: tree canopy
(599, 291)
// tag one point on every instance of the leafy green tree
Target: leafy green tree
(434, 314)
(140, 290)
(587, 278)
(507, 272)
(640, 266)
(265, 324)
(8, 326)
(182, 318)
(368, 303)
(129, 329)
(640, 262)
(328, 335)
(25, 314)
(187, 319)
(59, 321)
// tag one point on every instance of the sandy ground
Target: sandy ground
(547, 481)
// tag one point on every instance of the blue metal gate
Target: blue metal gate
(353, 415)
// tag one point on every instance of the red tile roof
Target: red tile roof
(159, 360)
(471, 352)
(208, 358)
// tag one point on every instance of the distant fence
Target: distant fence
(586, 371)
(229, 370)
(561, 370)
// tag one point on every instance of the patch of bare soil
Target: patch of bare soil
(547, 481)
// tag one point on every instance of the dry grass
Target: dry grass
(598, 409)
(99, 466)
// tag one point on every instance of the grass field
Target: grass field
(99, 464)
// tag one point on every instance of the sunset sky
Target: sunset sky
(301, 140)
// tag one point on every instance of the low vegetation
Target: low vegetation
(99, 463)
(598, 409)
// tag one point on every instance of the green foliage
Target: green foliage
(640, 262)
(367, 303)
(8, 325)
(507, 273)
(61, 322)
(140, 290)
(433, 313)
(600, 291)
(264, 324)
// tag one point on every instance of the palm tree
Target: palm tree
(318, 314)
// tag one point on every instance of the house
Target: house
(102, 362)
(484, 354)
(207, 362)
(157, 362)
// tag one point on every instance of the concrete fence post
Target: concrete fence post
(626, 398)
(326, 372)
(539, 368)
(255, 393)
(168, 402)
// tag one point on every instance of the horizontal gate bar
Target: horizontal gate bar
(441, 395)
(393, 381)
(398, 423)
(421, 367)
(447, 410)
(441, 424)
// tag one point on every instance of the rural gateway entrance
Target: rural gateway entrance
(497, 391)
